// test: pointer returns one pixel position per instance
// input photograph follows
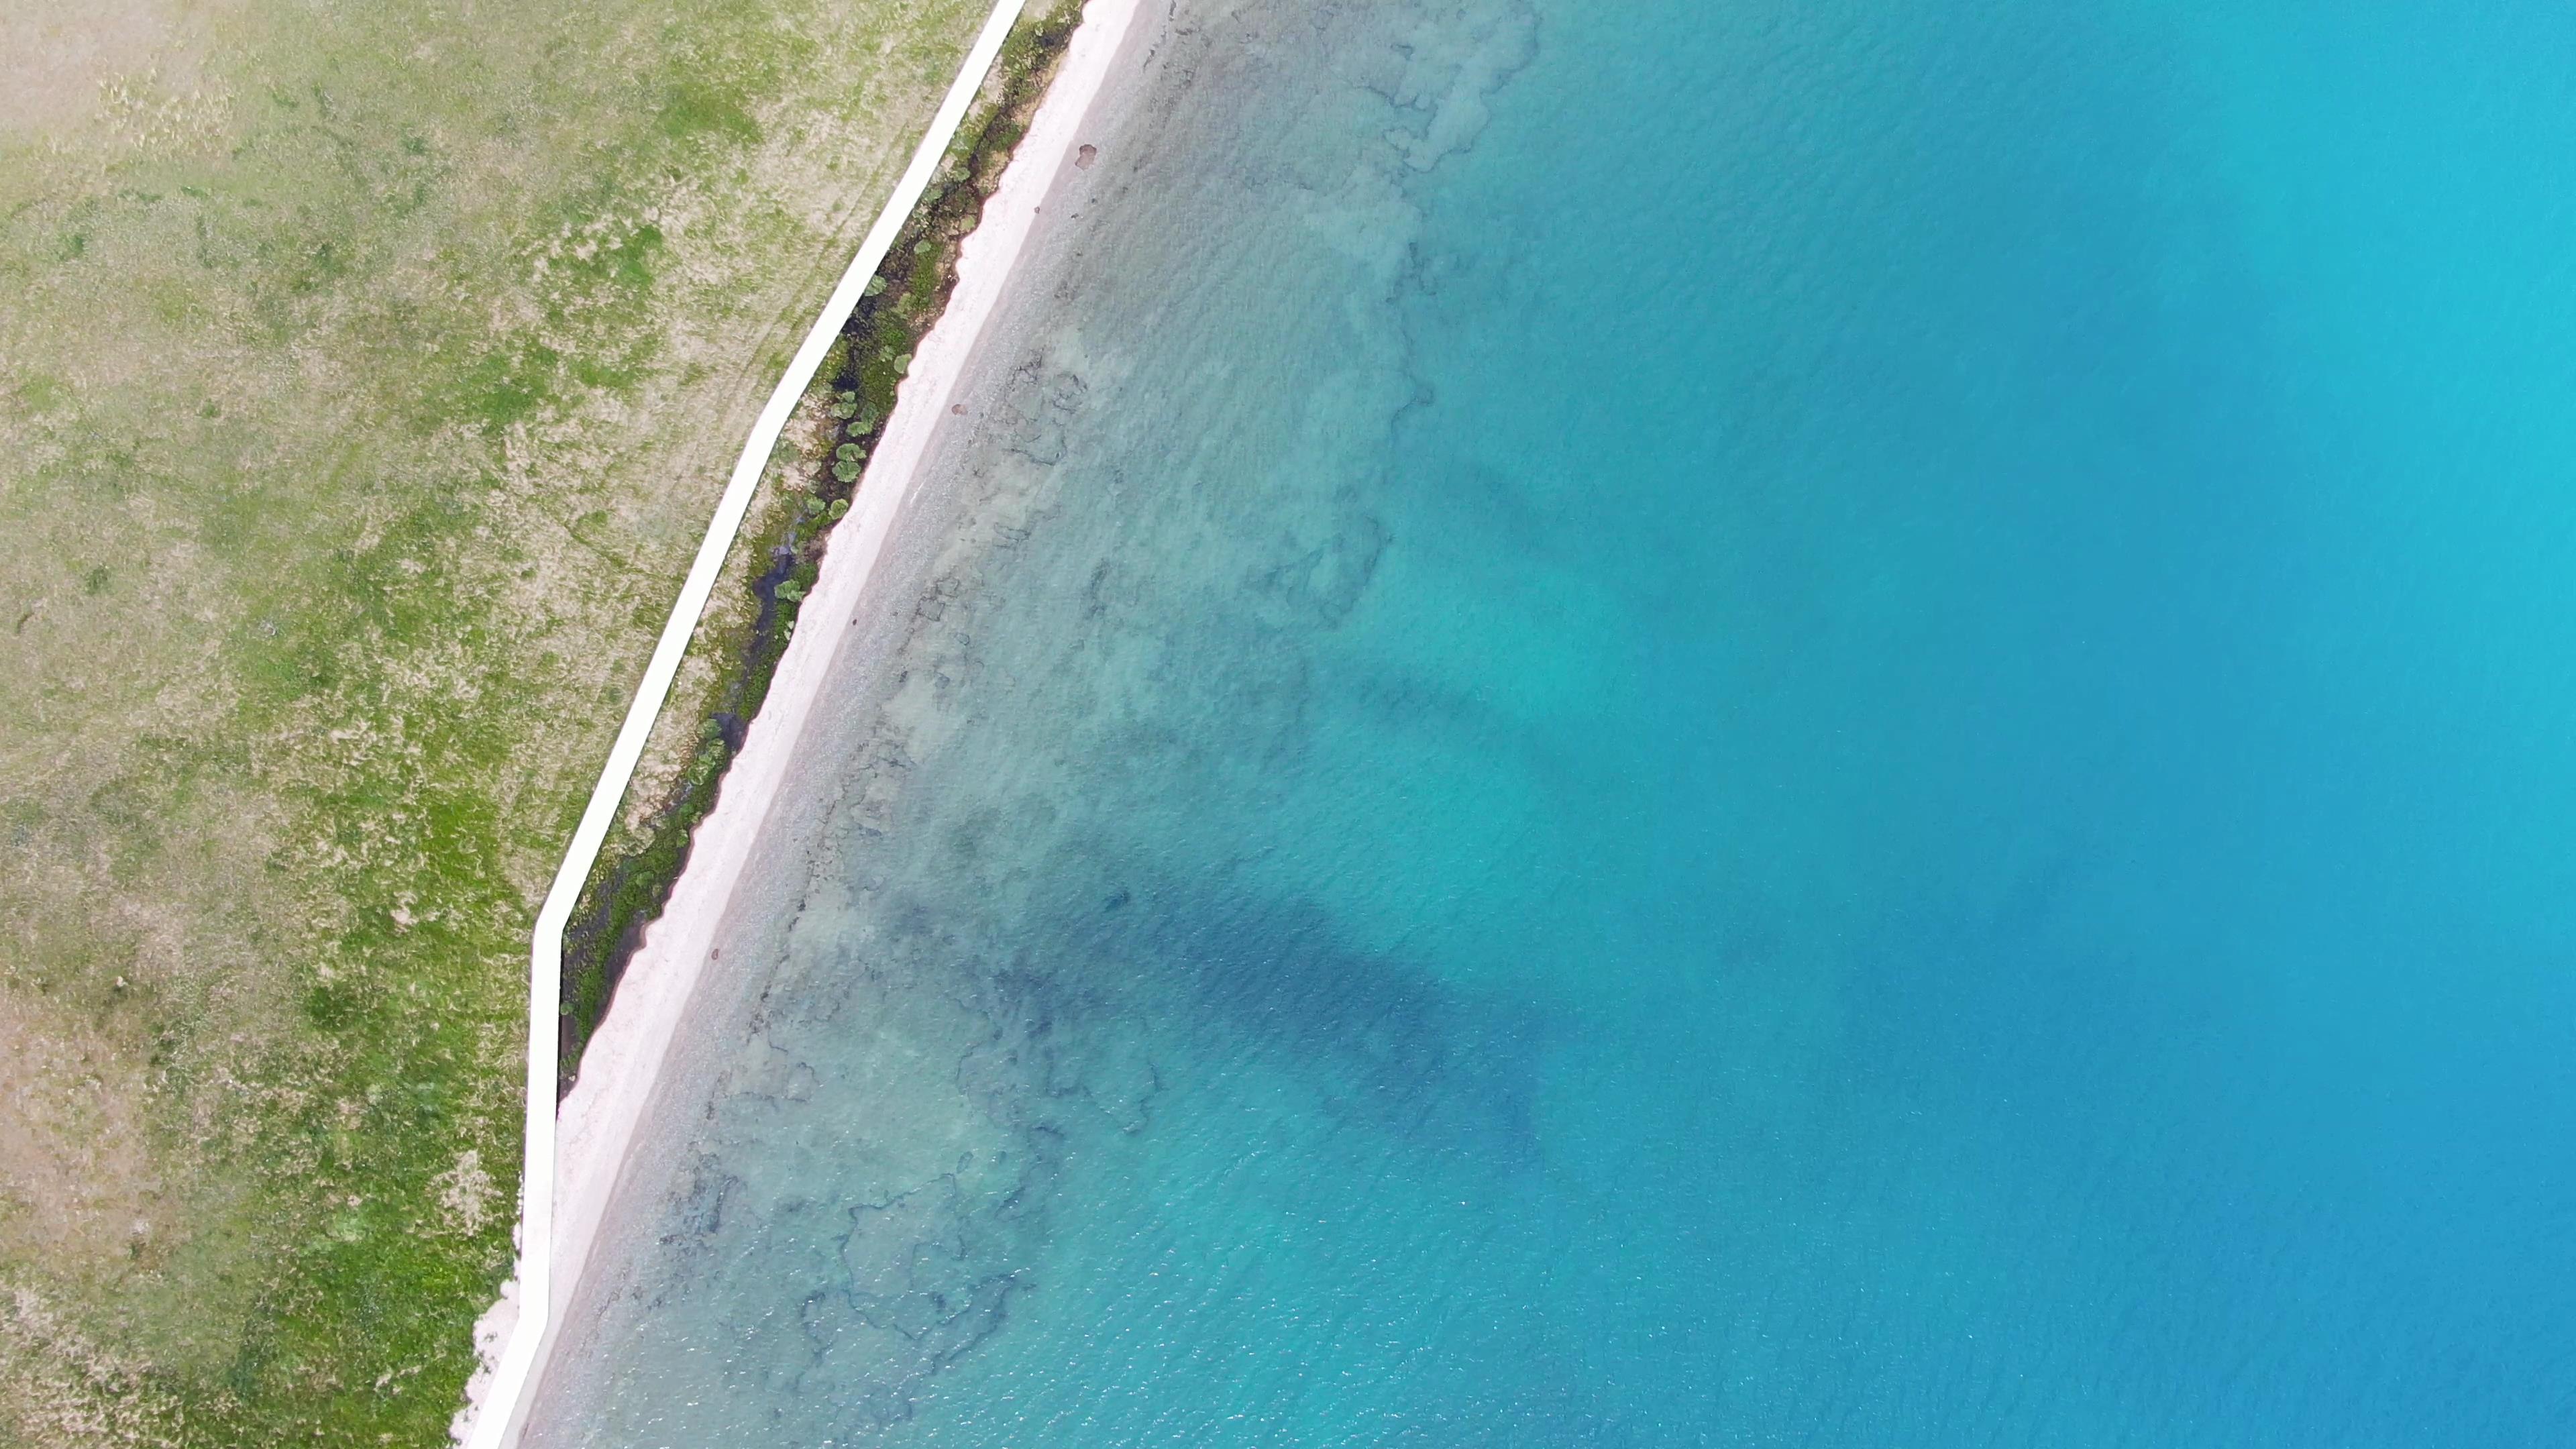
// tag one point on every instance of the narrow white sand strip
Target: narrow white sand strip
(572, 1169)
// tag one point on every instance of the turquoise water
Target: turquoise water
(1821, 724)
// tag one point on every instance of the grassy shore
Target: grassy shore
(367, 379)
(819, 467)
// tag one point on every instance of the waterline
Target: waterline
(531, 1303)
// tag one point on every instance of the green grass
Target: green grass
(366, 394)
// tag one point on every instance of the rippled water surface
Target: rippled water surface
(1832, 723)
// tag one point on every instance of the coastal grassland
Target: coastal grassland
(367, 377)
(816, 470)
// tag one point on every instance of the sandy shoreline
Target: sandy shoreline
(589, 1138)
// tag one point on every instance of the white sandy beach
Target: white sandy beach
(598, 1121)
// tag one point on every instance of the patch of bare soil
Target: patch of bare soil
(65, 62)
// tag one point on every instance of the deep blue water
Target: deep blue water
(1810, 724)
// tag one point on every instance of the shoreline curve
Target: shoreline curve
(576, 1150)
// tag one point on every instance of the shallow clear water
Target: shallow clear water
(1771, 723)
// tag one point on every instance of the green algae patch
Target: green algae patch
(808, 490)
